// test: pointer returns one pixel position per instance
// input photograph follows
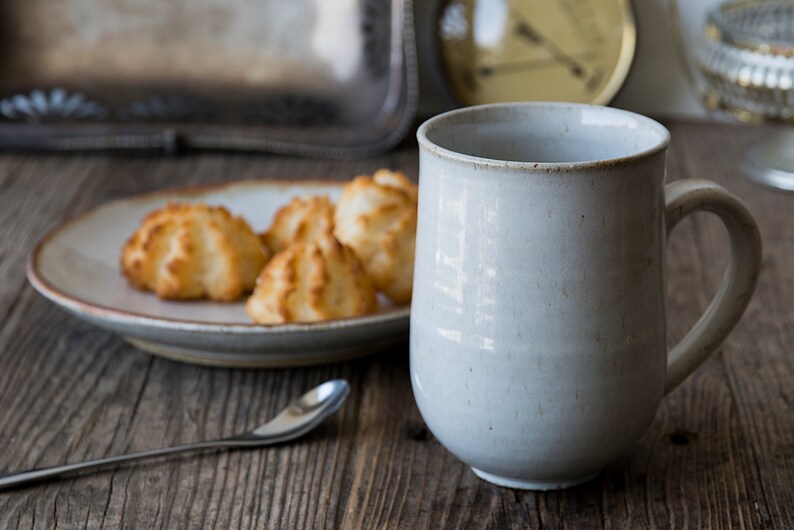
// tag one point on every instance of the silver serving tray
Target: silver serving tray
(309, 77)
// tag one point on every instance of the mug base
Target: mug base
(538, 485)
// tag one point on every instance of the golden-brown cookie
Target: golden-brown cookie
(300, 221)
(308, 282)
(190, 251)
(376, 216)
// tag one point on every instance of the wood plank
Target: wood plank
(35, 193)
(101, 428)
(758, 358)
(720, 453)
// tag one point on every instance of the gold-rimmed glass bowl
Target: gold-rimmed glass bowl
(742, 64)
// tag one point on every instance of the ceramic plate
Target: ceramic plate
(77, 267)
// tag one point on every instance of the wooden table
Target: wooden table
(720, 453)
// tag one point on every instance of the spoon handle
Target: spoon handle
(301, 416)
(33, 475)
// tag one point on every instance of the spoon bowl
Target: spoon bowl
(300, 417)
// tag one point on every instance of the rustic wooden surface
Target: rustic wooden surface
(720, 453)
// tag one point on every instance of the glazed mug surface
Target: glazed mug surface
(538, 352)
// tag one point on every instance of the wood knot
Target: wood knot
(414, 430)
(682, 438)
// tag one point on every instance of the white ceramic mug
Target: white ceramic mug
(538, 350)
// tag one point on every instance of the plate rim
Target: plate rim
(120, 316)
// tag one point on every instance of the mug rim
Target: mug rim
(449, 154)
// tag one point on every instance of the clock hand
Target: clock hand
(525, 30)
(527, 64)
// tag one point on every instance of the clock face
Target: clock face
(542, 50)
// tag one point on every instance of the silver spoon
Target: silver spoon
(300, 417)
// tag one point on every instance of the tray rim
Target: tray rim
(172, 137)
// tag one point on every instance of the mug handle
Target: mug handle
(683, 197)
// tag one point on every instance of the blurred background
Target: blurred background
(350, 78)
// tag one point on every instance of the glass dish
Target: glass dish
(743, 65)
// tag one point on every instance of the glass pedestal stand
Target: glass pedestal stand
(771, 162)
(743, 64)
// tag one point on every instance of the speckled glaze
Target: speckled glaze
(538, 350)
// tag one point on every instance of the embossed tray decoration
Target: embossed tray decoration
(309, 77)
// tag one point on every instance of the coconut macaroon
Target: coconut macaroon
(300, 221)
(308, 282)
(193, 251)
(376, 217)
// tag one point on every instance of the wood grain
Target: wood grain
(720, 453)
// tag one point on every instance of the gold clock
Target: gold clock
(545, 50)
